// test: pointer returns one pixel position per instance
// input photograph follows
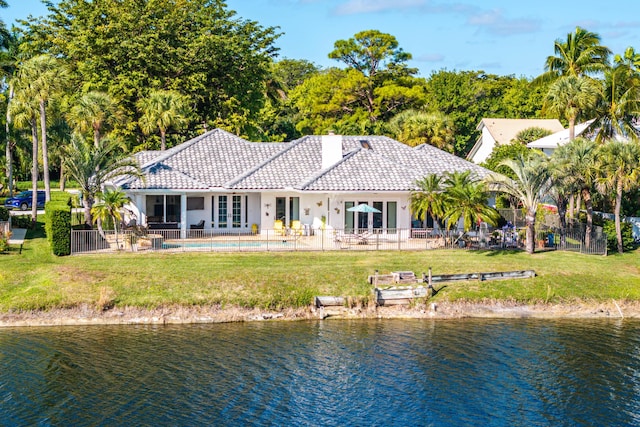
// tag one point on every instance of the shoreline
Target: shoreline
(174, 315)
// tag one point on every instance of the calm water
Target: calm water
(368, 373)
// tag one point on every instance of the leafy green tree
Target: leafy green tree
(466, 97)
(91, 167)
(580, 55)
(504, 152)
(162, 110)
(630, 58)
(128, 47)
(530, 183)
(94, 111)
(417, 127)
(372, 53)
(570, 97)
(375, 86)
(618, 171)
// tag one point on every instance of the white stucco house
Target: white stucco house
(225, 183)
(503, 131)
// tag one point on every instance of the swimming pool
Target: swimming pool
(212, 244)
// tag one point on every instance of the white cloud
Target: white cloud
(353, 7)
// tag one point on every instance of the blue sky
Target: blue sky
(497, 36)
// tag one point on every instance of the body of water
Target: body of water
(325, 373)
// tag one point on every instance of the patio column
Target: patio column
(183, 215)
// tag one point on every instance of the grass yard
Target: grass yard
(37, 280)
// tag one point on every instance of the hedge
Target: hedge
(58, 224)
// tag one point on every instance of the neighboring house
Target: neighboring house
(503, 131)
(550, 142)
(230, 184)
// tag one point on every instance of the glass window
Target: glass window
(392, 216)
(173, 208)
(348, 217)
(294, 208)
(377, 216)
(281, 208)
(195, 203)
(222, 211)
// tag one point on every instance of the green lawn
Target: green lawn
(38, 280)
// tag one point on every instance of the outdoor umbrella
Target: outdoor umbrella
(363, 207)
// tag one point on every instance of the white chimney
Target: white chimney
(331, 150)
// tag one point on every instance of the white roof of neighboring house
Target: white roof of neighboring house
(504, 131)
(220, 160)
(559, 138)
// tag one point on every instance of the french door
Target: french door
(229, 211)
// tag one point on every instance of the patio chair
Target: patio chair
(296, 228)
(278, 227)
(198, 226)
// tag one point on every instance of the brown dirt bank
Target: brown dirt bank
(215, 314)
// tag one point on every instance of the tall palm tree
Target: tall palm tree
(618, 171)
(40, 77)
(93, 112)
(618, 104)
(467, 198)
(9, 57)
(530, 183)
(429, 198)
(570, 97)
(580, 55)
(25, 114)
(581, 163)
(93, 166)
(161, 110)
(563, 186)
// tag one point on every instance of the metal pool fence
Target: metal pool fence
(93, 241)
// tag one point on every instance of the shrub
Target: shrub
(58, 226)
(609, 228)
(4, 214)
(22, 221)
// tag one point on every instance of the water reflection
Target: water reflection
(391, 372)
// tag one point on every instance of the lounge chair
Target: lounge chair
(198, 226)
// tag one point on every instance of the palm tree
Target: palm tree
(25, 114)
(618, 104)
(161, 110)
(93, 112)
(570, 97)
(581, 164)
(618, 172)
(93, 166)
(414, 128)
(581, 54)
(429, 198)
(110, 207)
(9, 57)
(531, 181)
(40, 77)
(467, 198)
